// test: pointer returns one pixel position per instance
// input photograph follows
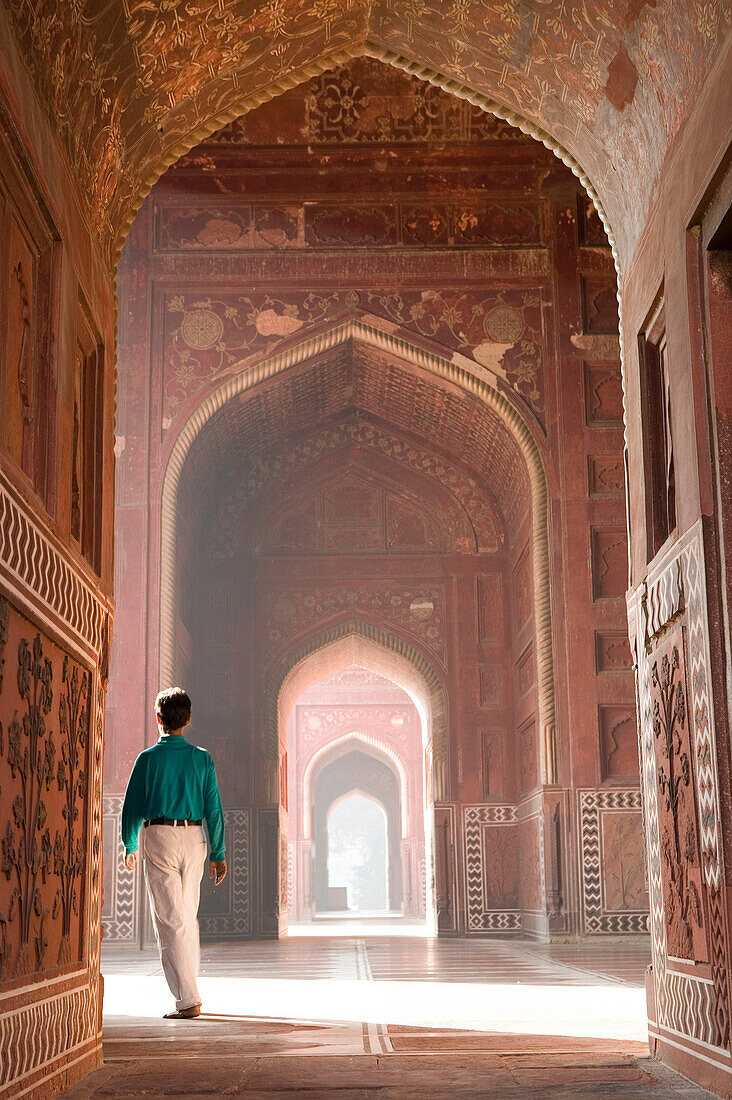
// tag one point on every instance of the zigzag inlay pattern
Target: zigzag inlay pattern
(691, 1007)
(664, 599)
(237, 921)
(480, 918)
(591, 805)
(121, 925)
(707, 783)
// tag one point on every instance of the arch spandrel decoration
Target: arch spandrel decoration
(418, 678)
(459, 371)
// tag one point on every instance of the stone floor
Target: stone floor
(383, 1018)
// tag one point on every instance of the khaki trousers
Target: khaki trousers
(173, 861)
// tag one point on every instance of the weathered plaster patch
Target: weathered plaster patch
(490, 354)
(599, 347)
(380, 322)
(270, 323)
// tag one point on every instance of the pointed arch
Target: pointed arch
(412, 671)
(354, 739)
(368, 46)
(459, 371)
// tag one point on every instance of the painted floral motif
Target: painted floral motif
(463, 321)
(206, 337)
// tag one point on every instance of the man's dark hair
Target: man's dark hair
(174, 708)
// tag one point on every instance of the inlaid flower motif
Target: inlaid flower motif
(451, 316)
(344, 103)
(274, 12)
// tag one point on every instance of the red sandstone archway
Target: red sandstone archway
(356, 644)
(127, 135)
(459, 373)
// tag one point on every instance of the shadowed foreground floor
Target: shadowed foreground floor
(386, 1018)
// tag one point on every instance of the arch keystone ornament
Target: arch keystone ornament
(464, 375)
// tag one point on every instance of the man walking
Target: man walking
(172, 788)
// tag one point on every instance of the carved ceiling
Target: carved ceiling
(132, 85)
(355, 396)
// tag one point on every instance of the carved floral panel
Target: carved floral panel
(623, 880)
(45, 700)
(677, 809)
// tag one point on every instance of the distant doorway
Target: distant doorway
(359, 818)
(359, 860)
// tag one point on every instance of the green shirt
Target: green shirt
(177, 780)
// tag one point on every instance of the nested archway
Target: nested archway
(499, 416)
(262, 400)
(358, 643)
(385, 760)
(365, 742)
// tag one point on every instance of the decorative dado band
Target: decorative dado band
(41, 1033)
(388, 641)
(43, 578)
(466, 375)
(661, 601)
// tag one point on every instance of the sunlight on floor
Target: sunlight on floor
(615, 1012)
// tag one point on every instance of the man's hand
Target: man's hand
(130, 861)
(217, 869)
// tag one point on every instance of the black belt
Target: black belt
(169, 821)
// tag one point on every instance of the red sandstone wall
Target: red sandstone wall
(633, 100)
(677, 636)
(56, 467)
